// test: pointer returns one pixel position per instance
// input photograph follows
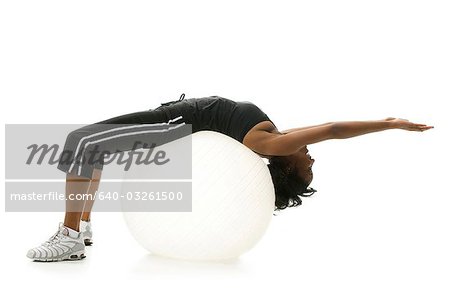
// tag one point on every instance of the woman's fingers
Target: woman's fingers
(420, 127)
(405, 124)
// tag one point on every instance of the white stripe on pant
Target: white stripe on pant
(93, 138)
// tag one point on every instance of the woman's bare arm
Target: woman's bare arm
(302, 128)
(288, 144)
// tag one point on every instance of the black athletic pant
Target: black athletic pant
(85, 147)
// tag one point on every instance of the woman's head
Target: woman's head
(291, 176)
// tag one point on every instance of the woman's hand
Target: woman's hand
(404, 124)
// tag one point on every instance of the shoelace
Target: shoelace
(53, 239)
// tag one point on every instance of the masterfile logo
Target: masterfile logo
(140, 171)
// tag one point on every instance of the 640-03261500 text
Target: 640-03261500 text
(142, 195)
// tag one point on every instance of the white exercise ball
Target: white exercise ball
(233, 201)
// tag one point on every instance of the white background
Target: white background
(379, 225)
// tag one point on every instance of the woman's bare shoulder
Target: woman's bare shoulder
(256, 135)
(267, 126)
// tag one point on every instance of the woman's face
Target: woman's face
(303, 162)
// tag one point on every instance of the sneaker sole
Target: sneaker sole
(76, 256)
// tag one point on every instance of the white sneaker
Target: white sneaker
(65, 244)
(86, 230)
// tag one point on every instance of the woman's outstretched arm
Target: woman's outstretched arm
(289, 143)
(302, 128)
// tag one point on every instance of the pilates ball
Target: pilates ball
(233, 200)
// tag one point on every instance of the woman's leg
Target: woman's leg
(79, 186)
(76, 187)
(83, 174)
(80, 209)
(93, 187)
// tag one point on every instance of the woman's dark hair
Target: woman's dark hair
(288, 185)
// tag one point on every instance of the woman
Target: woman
(289, 161)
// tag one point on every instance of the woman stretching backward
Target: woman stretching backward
(290, 164)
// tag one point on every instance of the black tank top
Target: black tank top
(218, 114)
